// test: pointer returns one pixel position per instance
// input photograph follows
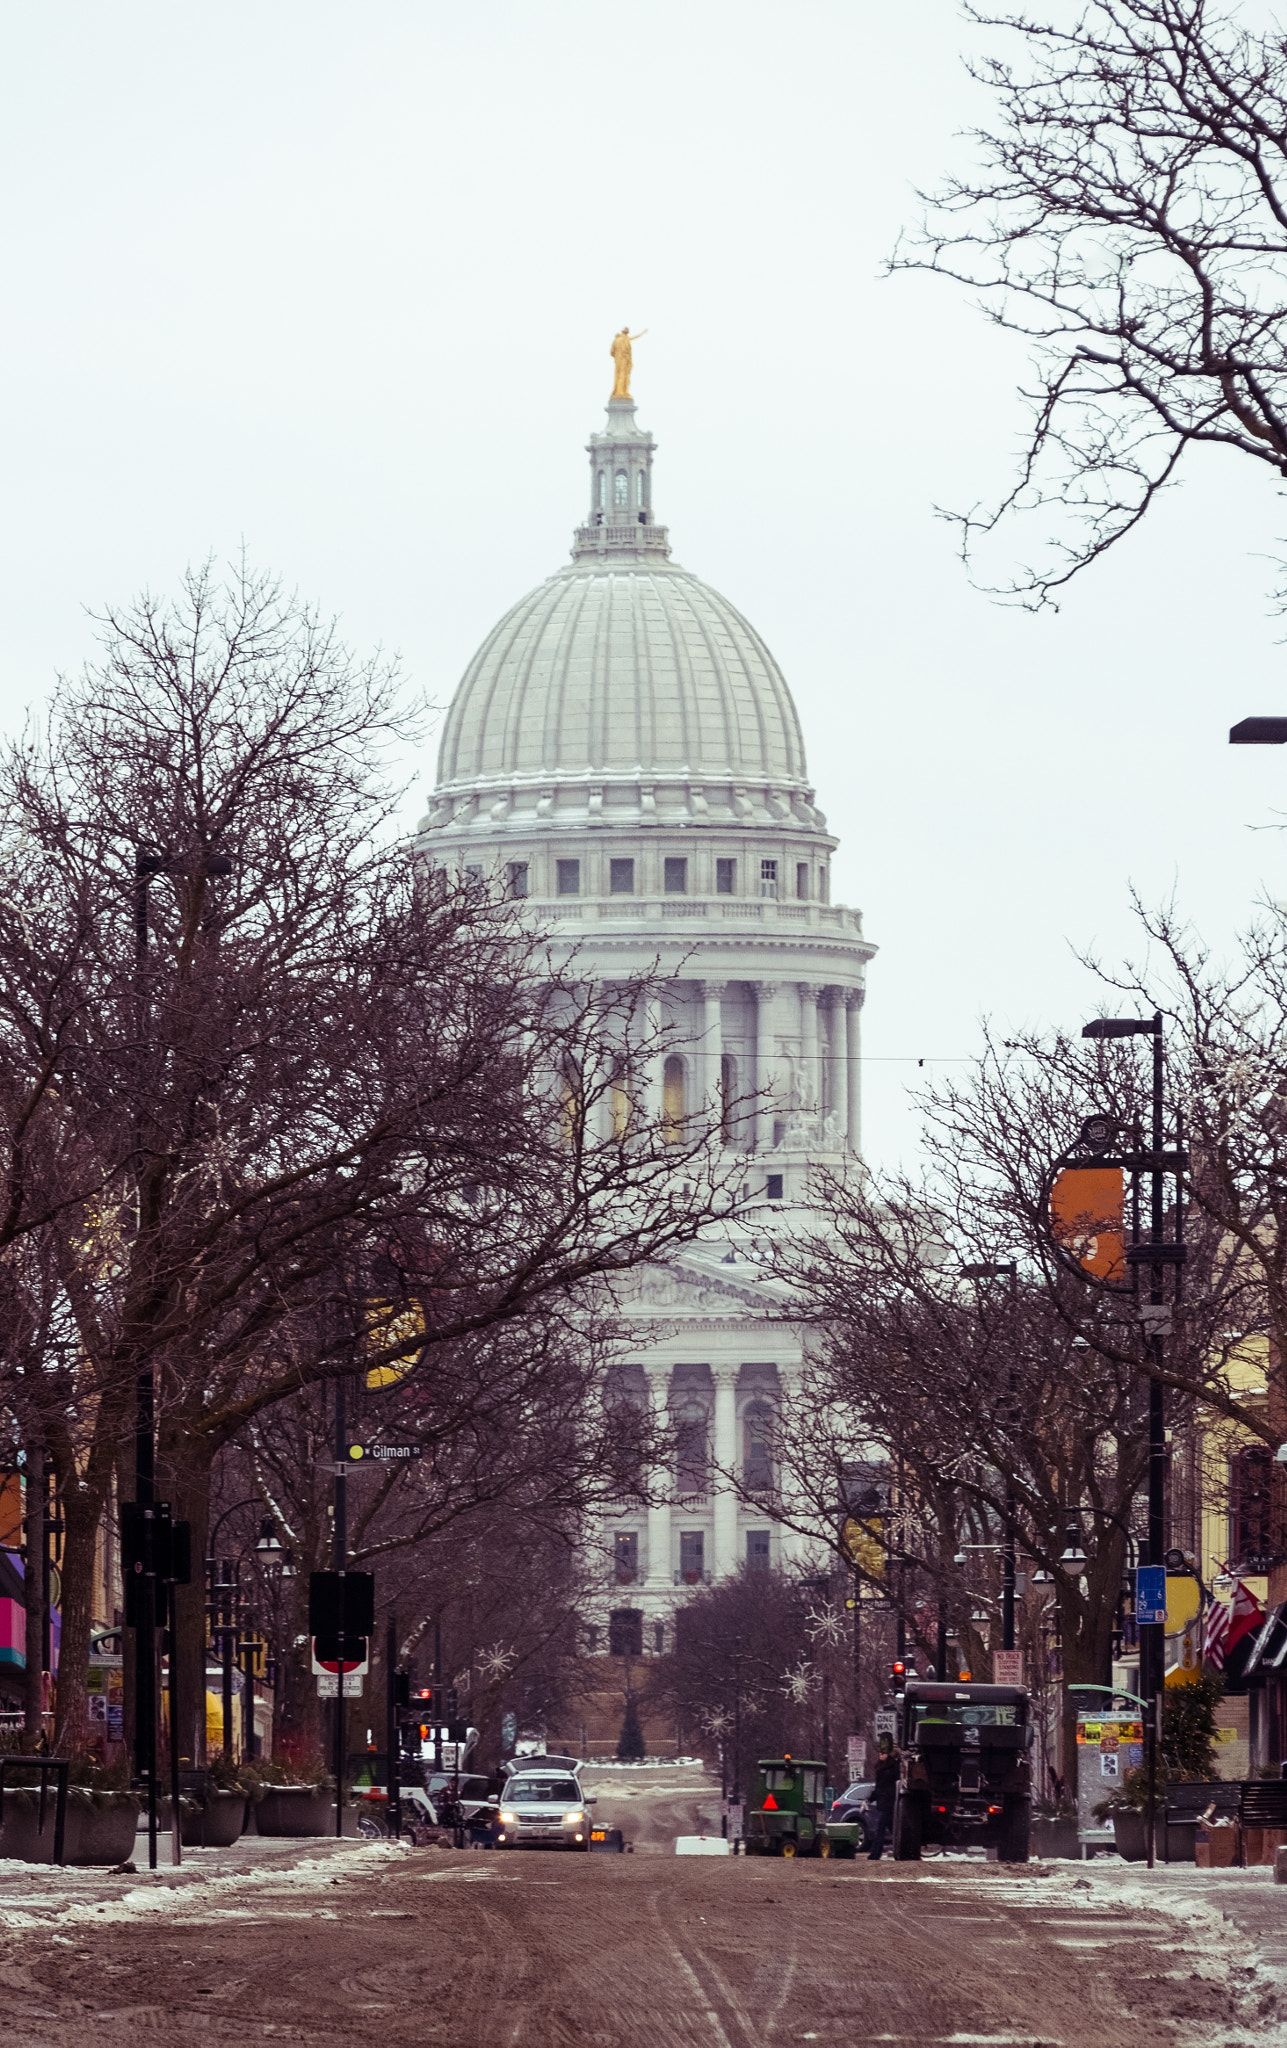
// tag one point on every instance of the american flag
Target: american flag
(1228, 1621)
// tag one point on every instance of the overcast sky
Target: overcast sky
(339, 282)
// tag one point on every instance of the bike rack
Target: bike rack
(48, 1766)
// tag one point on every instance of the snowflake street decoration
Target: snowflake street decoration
(798, 1684)
(825, 1625)
(715, 1721)
(495, 1664)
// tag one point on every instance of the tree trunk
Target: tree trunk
(184, 1460)
(83, 1507)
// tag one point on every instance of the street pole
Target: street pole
(172, 1624)
(437, 1693)
(391, 1733)
(1155, 1632)
(145, 1672)
(1008, 1567)
(340, 1563)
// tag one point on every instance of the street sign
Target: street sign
(855, 1756)
(1150, 1594)
(353, 1665)
(885, 1721)
(328, 1685)
(1007, 1667)
(383, 1454)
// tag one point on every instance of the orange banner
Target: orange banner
(1086, 1218)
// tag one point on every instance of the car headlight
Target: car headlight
(574, 1818)
(508, 1820)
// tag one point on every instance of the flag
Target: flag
(1228, 1621)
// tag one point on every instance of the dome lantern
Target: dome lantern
(620, 521)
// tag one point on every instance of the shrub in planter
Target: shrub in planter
(216, 1821)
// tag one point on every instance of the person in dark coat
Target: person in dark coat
(882, 1798)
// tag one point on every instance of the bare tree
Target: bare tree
(319, 1108)
(1126, 212)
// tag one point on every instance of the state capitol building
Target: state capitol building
(623, 751)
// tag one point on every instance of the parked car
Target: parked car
(851, 1822)
(543, 1809)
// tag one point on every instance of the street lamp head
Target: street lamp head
(1280, 1455)
(269, 1542)
(1041, 1577)
(1120, 1027)
(1258, 732)
(1072, 1557)
(960, 1558)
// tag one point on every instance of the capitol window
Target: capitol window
(725, 877)
(757, 1448)
(692, 1449)
(676, 875)
(621, 877)
(768, 878)
(673, 1106)
(621, 491)
(802, 880)
(641, 497)
(568, 877)
(603, 490)
(824, 883)
(518, 878)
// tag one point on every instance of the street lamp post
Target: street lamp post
(1158, 1256)
(1004, 1270)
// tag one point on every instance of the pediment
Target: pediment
(680, 1290)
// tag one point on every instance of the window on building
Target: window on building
(625, 1632)
(675, 875)
(621, 877)
(673, 1106)
(757, 1447)
(621, 491)
(727, 1097)
(659, 1638)
(725, 877)
(802, 880)
(473, 872)
(625, 1548)
(692, 1448)
(758, 1557)
(640, 497)
(568, 874)
(768, 878)
(518, 883)
(773, 1187)
(1250, 1480)
(602, 489)
(824, 882)
(692, 1557)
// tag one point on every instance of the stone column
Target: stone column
(810, 1066)
(660, 1572)
(765, 1064)
(725, 1560)
(853, 1063)
(712, 1047)
(839, 1066)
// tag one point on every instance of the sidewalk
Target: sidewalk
(31, 1893)
(1248, 1899)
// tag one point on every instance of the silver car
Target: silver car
(543, 1810)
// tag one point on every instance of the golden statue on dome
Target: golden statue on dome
(622, 353)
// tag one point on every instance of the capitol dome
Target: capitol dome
(624, 686)
(623, 668)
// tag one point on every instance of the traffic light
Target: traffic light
(898, 1669)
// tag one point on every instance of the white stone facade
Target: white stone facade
(623, 751)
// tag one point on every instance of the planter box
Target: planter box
(1130, 1836)
(217, 1823)
(295, 1810)
(96, 1833)
(1055, 1837)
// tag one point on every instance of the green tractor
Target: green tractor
(788, 1817)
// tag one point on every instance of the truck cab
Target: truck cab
(964, 1774)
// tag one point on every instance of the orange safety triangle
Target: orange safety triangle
(770, 1804)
